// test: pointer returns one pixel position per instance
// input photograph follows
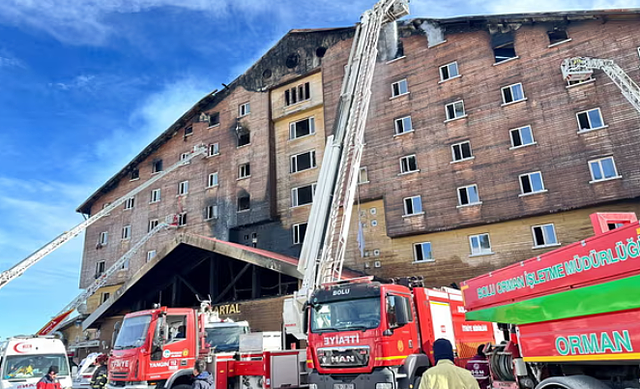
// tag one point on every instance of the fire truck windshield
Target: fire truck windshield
(225, 338)
(346, 315)
(133, 332)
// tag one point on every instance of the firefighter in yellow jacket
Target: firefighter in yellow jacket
(446, 375)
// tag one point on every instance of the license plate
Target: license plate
(343, 386)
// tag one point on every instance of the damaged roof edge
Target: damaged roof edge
(85, 207)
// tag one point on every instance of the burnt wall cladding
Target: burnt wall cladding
(271, 236)
(561, 154)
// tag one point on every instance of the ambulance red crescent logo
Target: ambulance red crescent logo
(22, 347)
(443, 329)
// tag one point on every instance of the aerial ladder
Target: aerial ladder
(104, 277)
(581, 68)
(324, 247)
(22, 266)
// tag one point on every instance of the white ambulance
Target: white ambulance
(24, 360)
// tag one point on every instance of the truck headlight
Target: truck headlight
(384, 385)
(313, 386)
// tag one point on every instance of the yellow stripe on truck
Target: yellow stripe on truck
(390, 358)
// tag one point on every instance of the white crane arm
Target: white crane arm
(17, 270)
(581, 68)
(104, 277)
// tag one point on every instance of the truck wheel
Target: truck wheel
(416, 382)
(181, 386)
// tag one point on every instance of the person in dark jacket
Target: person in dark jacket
(99, 378)
(479, 368)
(49, 381)
(202, 380)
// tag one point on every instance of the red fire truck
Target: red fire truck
(573, 314)
(366, 334)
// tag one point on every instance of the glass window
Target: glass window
(603, 169)
(455, 110)
(422, 252)
(33, 365)
(544, 235)
(133, 332)
(403, 125)
(590, 120)
(346, 315)
(531, 183)
(480, 244)
(412, 205)
(449, 71)
(522, 136)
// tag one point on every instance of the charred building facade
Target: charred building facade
(478, 154)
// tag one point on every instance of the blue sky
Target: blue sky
(86, 84)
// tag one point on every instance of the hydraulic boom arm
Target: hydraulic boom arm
(581, 68)
(17, 270)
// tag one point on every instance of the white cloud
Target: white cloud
(9, 62)
(78, 82)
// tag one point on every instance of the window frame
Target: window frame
(126, 232)
(211, 212)
(157, 166)
(453, 104)
(244, 109)
(453, 153)
(528, 175)
(544, 236)
(135, 174)
(244, 134)
(480, 253)
(153, 223)
(182, 219)
(295, 198)
(401, 120)
(183, 158)
(214, 147)
(244, 170)
(469, 204)
(188, 131)
(211, 116)
(407, 158)
(209, 180)
(510, 88)
(599, 161)
(248, 197)
(149, 256)
(105, 241)
(104, 296)
(158, 198)
(293, 162)
(399, 83)
(447, 66)
(295, 229)
(183, 188)
(406, 211)
(518, 129)
(586, 112)
(312, 128)
(100, 272)
(558, 41)
(130, 203)
(305, 87)
(424, 259)
(366, 175)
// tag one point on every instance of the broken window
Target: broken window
(244, 170)
(603, 169)
(363, 176)
(303, 161)
(126, 232)
(557, 36)
(297, 94)
(244, 138)
(100, 267)
(157, 166)
(129, 203)
(461, 151)
(244, 202)
(468, 195)
(182, 219)
(590, 120)
(153, 223)
(155, 196)
(399, 88)
(135, 174)
(408, 164)
(244, 109)
(188, 131)
(183, 188)
(214, 149)
(455, 110)
(214, 119)
(522, 136)
(512, 93)
(422, 252)
(413, 205)
(211, 212)
(531, 183)
(449, 71)
(544, 235)
(403, 125)
(503, 46)
(302, 128)
(299, 231)
(212, 180)
(302, 195)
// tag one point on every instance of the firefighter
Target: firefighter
(479, 368)
(49, 381)
(99, 378)
(446, 375)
